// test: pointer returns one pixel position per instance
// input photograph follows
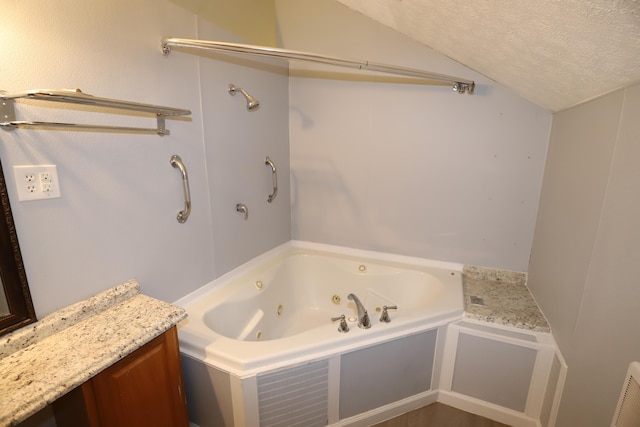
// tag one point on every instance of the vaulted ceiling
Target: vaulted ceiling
(556, 53)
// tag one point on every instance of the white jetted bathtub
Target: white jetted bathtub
(262, 342)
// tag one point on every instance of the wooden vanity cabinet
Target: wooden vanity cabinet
(143, 389)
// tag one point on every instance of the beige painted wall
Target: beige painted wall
(406, 168)
(586, 249)
(116, 219)
(575, 180)
(251, 20)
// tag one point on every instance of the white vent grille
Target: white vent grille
(295, 397)
(628, 410)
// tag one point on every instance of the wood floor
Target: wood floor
(439, 415)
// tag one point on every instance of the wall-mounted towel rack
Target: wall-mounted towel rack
(76, 96)
(459, 85)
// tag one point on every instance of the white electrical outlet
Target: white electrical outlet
(35, 182)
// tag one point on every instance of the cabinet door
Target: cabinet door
(143, 389)
(494, 371)
(385, 373)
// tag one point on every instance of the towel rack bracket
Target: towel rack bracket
(161, 126)
(7, 110)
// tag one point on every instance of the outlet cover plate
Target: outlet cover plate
(36, 182)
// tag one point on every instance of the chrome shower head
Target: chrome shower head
(252, 103)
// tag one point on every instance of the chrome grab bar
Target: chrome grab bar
(183, 215)
(274, 175)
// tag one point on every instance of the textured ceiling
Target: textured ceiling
(556, 53)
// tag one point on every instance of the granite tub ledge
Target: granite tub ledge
(501, 297)
(45, 360)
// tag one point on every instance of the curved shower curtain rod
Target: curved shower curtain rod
(459, 85)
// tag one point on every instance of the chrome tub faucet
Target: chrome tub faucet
(363, 316)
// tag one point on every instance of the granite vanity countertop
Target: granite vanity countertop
(501, 297)
(43, 361)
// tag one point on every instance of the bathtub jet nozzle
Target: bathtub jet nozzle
(252, 103)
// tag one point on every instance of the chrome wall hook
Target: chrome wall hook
(242, 208)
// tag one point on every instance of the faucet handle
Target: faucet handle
(385, 314)
(343, 323)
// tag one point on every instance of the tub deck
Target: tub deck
(277, 308)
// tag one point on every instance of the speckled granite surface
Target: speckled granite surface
(501, 297)
(43, 361)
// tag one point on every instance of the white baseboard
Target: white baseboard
(486, 409)
(456, 400)
(389, 411)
